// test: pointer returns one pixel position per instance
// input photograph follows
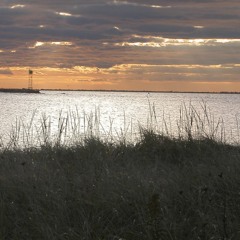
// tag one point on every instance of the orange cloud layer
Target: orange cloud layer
(128, 77)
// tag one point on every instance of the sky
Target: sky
(153, 45)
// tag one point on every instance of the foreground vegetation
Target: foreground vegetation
(156, 188)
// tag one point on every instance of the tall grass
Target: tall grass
(179, 187)
(73, 127)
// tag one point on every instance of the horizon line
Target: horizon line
(122, 90)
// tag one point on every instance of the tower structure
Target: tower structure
(30, 79)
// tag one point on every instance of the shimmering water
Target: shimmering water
(115, 112)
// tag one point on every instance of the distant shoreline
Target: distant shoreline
(25, 90)
(19, 90)
(137, 91)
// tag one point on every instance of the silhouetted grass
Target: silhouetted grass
(97, 185)
(156, 188)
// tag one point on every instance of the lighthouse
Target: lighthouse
(30, 79)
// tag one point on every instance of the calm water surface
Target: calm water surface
(115, 112)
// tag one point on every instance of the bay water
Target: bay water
(116, 114)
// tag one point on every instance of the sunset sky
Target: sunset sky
(171, 45)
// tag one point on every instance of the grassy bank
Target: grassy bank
(157, 188)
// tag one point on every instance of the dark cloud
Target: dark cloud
(88, 25)
(5, 72)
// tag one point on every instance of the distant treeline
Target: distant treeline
(144, 91)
